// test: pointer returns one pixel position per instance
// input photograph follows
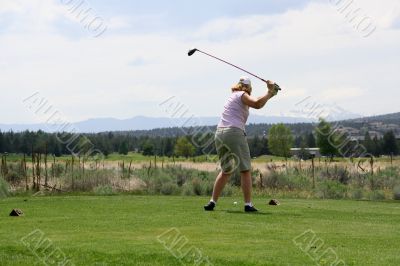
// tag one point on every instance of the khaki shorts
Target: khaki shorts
(233, 149)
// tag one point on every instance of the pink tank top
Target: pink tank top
(235, 112)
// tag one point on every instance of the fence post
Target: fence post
(72, 172)
(45, 166)
(371, 162)
(33, 170)
(129, 170)
(313, 172)
(391, 159)
(53, 167)
(26, 174)
(38, 165)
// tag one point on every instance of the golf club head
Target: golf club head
(192, 51)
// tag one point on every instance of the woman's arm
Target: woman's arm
(259, 102)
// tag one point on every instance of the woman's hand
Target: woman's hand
(259, 102)
(270, 84)
(271, 88)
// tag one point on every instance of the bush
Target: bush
(208, 187)
(396, 193)
(13, 177)
(92, 179)
(4, 188)
(104, 190)
(377, 195)
(169, 188)
(235, 178)
(197, 187)
(274, 180)
(228, 190)
(187, 190)
(329, 189)
(342, 175)
(58, 170)
(291, 181)
(357, 194)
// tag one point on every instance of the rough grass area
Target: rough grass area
(125, 230)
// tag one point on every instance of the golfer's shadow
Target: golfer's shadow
(247, 213)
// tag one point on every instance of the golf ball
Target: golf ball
(235, 203)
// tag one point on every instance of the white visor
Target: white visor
(245, 80)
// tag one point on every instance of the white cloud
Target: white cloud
(341, 94)
(310, 52)
(117, 23)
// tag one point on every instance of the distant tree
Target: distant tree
(123, 148)
(389, 144)
(258, 146)
(40, 146)
(310, 140)
(264, 146)
(54, 146)
(369, 144)
(280, 140)
(168, 147)
(1, 142)
(326, 140)
(148, 148)
(57, 150)
(304, 153)
(297, 141)
(255, 146)
(104, 145)
(184, 148)
(377, 147)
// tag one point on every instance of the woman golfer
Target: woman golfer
(230, 140)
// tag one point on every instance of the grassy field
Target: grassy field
(131, 156)
(138, 157)
(128, 230)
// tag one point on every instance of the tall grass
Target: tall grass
(334, 183)
(4, 188)
(280, 179)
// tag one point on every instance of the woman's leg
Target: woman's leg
(219, 185)
(247, 185)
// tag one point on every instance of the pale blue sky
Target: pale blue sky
(309, 47)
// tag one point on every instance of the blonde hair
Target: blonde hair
(242, 87)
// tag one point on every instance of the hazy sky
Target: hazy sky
(313, 49)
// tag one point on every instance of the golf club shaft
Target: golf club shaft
(232, 65)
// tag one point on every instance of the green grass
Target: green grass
(138, 157)
(123, 230)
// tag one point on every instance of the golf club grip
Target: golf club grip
(233, 65)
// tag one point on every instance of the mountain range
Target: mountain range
(96, 125)
(144, 123)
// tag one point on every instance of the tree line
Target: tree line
(110, 142)
(275, 140)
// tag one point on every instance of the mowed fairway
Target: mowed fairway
(124, 230)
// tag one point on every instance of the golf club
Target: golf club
(193, 50)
